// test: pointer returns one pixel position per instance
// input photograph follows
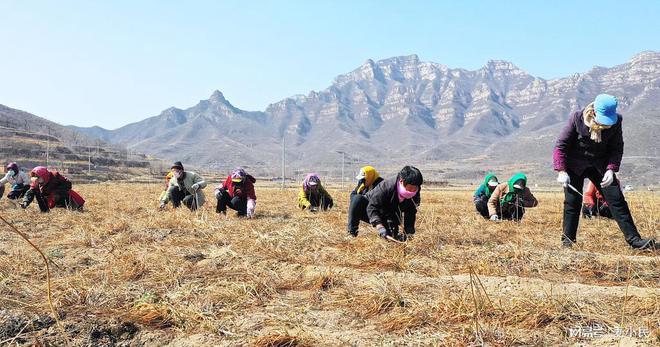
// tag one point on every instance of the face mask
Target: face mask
(12, 173)
(403, 193)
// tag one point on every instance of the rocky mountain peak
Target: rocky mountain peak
(218, 97)
(646, 57)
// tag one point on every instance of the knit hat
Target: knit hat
(605, 108)
(177, 165)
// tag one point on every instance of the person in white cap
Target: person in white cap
(483, 193)
(591, 146)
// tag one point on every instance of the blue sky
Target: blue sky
(110, 63)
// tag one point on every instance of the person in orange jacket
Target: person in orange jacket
(594, 204)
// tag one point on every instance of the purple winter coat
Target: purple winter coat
(575, 151)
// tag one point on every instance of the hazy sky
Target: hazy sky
(110, 63)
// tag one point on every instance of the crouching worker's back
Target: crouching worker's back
(51, 190)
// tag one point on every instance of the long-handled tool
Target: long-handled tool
(575, 189)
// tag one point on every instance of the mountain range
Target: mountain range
(456, 122)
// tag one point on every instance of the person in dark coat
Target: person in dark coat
(394, 202)
(368, 179)
(591, 146)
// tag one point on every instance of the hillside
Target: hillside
(401, 110)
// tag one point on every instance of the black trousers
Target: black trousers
(16, 192)
(482, 207)
(512, 210)
(183, 196)
(320, 201)
(235, 203)
(614, 198)
(357, 211)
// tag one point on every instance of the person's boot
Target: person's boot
(352, 233)
(567, 243)
(644, 244)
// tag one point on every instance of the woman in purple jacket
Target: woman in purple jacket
(591, 146)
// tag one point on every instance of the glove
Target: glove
(251, 205)
(162, 205)
(608, 178)
(195, 187)
(219, 192)
(494, 218)
(23, 205)
(563, 178)
(382, 232)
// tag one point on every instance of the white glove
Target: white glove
(494, 218)
(251, 206)
(563, 178)
(608, 178)
(162, 205)
(195, 187)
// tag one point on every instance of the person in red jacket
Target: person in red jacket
(237, 192)
(51, 190)
(594, 204)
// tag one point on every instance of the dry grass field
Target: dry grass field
(127, 274)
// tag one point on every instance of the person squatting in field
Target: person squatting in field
(237, 192)
(185, 187)
(591, 146)
(51, 190)
(312, 194)
(593, 203)
(483, 193)
(368, 178)
(509, 200)
(18, 180)
(391, 203)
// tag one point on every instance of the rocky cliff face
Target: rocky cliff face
(403, 110)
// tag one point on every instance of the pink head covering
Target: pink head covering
(311, 179)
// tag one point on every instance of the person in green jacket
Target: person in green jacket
(483, 193)
(185, 187)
